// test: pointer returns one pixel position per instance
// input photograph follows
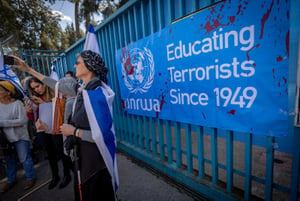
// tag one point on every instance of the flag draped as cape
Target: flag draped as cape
(98, 104)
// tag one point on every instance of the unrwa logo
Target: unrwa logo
(137, 69)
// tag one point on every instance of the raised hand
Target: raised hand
(21, 64)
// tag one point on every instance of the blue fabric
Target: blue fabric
(91, 42)
(23, 152)
(224, 67)
(98, 104)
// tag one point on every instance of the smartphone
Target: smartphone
(8, 60)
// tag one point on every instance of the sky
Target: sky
(65, 9)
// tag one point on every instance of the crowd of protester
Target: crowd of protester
(22, 127)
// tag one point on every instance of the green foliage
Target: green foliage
(33, 26)
(32, 22)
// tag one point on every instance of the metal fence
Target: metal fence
(219, 164)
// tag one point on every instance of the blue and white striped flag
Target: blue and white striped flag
(98, 104)
(7, 74)
(91, 40)
(53, 74)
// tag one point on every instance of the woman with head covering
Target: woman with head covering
(97, 178)
(13, 122)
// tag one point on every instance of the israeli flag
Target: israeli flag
(91, 41)
(6, 73)
(98, 104)
(54, 74)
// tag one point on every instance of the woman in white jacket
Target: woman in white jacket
(13, 122)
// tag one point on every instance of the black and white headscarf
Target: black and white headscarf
(95, 63)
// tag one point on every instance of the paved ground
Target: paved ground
(136, 184)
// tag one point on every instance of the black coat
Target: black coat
(90, 159)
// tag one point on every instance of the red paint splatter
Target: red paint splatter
(170, 31)
(216, 24)
(279, 59)
(264, 19)
(162, 101)
(287, 42)
(208, 27)
(213, 10)
(159, 74)
(239, 10)
(129, 68)
(278, 84)
(284, 79)
(123, 103)
(221, 8)
(247, 54)
(231, 112)
(254, 64)
(231, 19)
(203, 115)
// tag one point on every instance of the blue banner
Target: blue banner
(224, 67)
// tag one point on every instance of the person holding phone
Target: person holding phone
(96, 180)
(8, 60)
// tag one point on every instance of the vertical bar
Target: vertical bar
(170, 15)
(48, 65)
(32, 63)
(136, 136)
(178, 145)
(109, 47)
(43, 63)
(126, 38)
(153, 136)
(214, 156)
(195, 5)
(248, 166)
(295, 172)
(146, 130)
(151, 17)
(169, 141)
(38, 65)
(132, 138)
(189, 156)
(269, 168)
(200, 152)
(161, 139)
(143, 19)
(131, 31)
(141, 132)
(181, 8)
(229, 161)
(160, 16)
(135, 18)
(113, 80)
(131, 124)
(118, 98)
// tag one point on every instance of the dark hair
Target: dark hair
(70, 73)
